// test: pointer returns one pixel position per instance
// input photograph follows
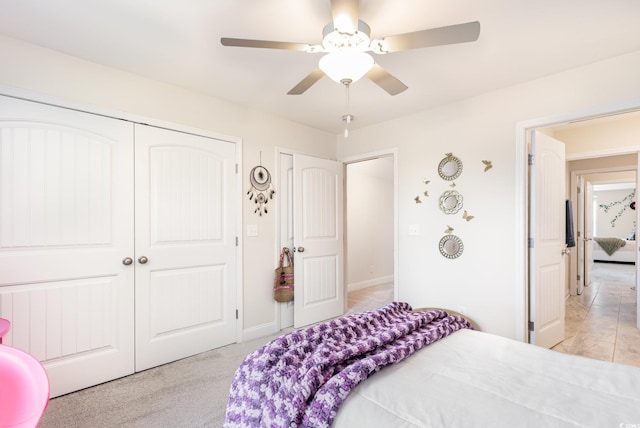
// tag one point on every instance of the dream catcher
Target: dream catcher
(261, 189)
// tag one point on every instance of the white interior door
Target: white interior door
(588, 232)
(66, 210)
(547, 228)
(185, 245)
(318, 234)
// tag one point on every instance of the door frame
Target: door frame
(393, 153)
(575, 176)
(523, 129)
(282, 310)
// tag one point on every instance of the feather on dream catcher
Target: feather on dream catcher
(261, 188)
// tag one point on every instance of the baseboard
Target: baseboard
(259, 331)
(369, 283)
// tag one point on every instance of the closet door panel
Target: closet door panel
(185, 228)
(66, 223)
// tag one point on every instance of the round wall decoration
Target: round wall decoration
(450, 167)
(450, 202)
(451, 246)
(261, 190)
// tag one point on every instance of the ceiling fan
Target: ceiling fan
(346, 41)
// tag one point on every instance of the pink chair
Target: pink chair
(4, 327)
(24, 389)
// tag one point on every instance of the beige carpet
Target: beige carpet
(188, 393)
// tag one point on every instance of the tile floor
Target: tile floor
(599, 323)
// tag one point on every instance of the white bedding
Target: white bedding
(626, 254)
(475, 379)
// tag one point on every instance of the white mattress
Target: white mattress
(475, 379)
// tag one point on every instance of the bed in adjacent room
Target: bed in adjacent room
(614, 250)
(403, 368)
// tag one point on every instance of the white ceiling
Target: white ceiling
(179, 42)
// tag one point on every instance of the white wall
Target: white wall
(483, 279)
(619, 219)
(47, 72)
(621, 132)
(369, 223)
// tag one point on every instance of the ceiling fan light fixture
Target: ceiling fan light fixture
(335, 40)
(347, 65)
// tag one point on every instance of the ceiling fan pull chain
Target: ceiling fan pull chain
(347, 117)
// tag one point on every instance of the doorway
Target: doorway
(385, 164)
(524, 129)
(369, 205)
(311, 229)
(602, 199)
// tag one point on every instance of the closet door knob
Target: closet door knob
(300, 249)
(127, 261)
(142, 260)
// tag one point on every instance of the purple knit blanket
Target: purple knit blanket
(301, 378)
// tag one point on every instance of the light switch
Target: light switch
(252, 230)
(414, 229)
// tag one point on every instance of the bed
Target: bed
(463, 378)
(624, 254)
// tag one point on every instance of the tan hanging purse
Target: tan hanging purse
(283, 281)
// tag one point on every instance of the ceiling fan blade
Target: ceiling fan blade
(459, 33)
(307, 82)
(267, 44)
(345, 15)
(385, 80)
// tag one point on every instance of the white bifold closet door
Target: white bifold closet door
(94, 289)
(66, 204)
(185, 230)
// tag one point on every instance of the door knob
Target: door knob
(300, 249)
(142, 260)
(566, 251)
(127, 261)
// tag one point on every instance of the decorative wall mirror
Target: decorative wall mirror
(450, 202)
(450, 167)
(451, 246)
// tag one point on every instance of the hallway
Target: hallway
(601, 322)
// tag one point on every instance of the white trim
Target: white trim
(604, 153)
(23, 94)
(396, 254)
(369, 283)
(277, 307)
(637, 264)
(239, 247)
(260, 331)
(521, 193)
